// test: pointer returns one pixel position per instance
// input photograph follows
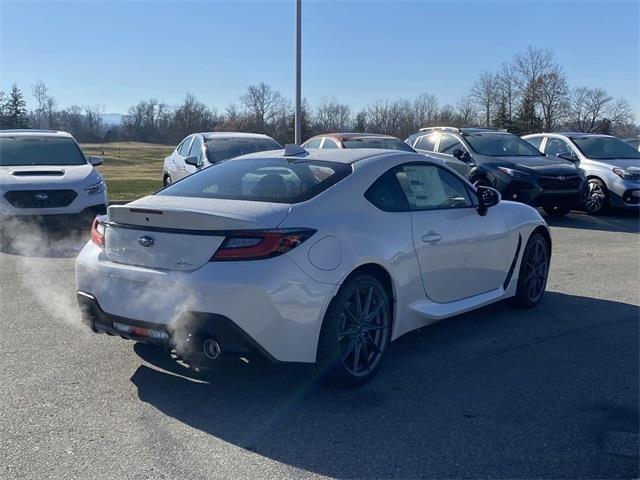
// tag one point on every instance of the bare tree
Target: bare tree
(40, 93)
(553, 97)
(425, 110)
(588, 108)
(507, 96)
(263, 104)
(331, 116)
(485, 93)
(465, 112)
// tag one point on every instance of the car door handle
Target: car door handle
(432, 238)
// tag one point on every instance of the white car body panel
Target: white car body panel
(281, 302)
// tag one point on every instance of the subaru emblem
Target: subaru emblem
(146, 241)
(42, 196)
(561, 178)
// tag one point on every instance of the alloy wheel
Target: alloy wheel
(595, 198)
(364, 328)
(536, 270)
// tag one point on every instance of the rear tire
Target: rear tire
(556, 211)
(355, 332)
(534, 270)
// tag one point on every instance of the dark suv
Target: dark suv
(498, 159)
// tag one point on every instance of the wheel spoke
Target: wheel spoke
(356, 355)
(372, 315)
(373, 343)
(365, 349)
(367, 304)
(354, 340)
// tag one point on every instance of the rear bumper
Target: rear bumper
(186, 334)
(270, 306)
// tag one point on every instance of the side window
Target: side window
(428, 187)
(449, 143)
(196, 148)
(183, 149)
(313, 143)
(387, 195)
(329, 143)
(426, 142)
(556, 145)
(535, 141)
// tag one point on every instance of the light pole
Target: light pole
(298, 118)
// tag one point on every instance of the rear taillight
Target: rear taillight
(97, 230)
(256, 245)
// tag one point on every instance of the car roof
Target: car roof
(353, 135)
(29, 132)
(339, 155)
(210, 135)
(571, 134)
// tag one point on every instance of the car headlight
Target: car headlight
(513, 173)
(95, 188)
(627, 175)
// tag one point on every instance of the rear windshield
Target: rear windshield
(605, 148)
(219, 149)
(373, 142)
(501, 145)
(23, 151)
(262, 180)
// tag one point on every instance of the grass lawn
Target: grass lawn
(131, 169)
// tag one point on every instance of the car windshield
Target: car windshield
(262, 180)
(219, 149)
(377, 142)
(500, 145)
(605, 148)
(22, 151)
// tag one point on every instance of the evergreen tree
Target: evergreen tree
(3, 107)
(15, 109)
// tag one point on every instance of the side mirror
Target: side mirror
(567, 156)
(487, 198)
(462, 155)
(95, 161)
(195, 161)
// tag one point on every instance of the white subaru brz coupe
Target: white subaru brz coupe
(321, 257)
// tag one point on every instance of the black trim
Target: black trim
(513, 264)
(194, 326)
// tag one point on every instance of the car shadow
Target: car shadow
(615, 221)
(494, 393)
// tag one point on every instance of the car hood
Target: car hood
(624, 163)
(538, 165)
(48, 176)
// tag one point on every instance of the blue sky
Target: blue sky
(118, 52)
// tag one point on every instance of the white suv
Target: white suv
(45, 174)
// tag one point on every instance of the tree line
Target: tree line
(530, 93)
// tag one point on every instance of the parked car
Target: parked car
(495, 158)
(44, 174)
(634, 142)
(200, 150)
(356, 140)
(320, 256)
(612, 166)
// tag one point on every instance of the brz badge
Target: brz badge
(42, 196)
(146, 241)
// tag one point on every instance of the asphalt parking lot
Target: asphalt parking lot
(498, 393)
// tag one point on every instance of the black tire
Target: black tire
(166, 181)
(534, 270)
(597, 200)
(556, 211)
(355, 332)
(481, 182)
